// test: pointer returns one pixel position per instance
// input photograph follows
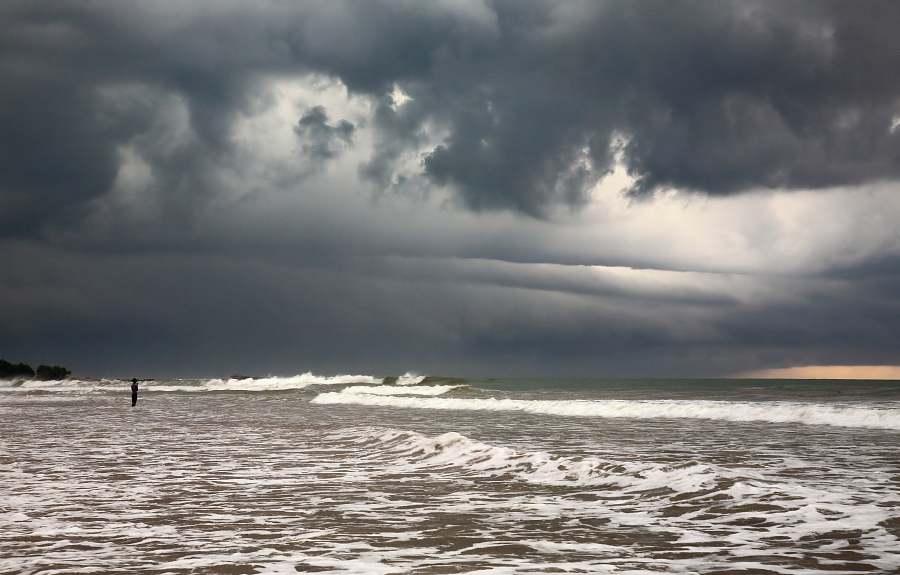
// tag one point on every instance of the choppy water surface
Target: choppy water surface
(359, 475)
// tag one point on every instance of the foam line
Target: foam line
(454, 450)
(428, 390)
(774, 412)
(190, 385)
(270, 383)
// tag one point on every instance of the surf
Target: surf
(771, 412)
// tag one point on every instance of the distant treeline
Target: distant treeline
(44, 372)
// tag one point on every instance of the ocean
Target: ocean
(425, 475)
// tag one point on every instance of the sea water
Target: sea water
(364, 475)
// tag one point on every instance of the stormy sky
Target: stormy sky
(456, 187)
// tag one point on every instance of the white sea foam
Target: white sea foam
(270, 383)
(410, 378)
(52, 385)
(453, 450)
(426, 390)
(773, 412)
(278, 383)
(260, 384)
(215, 484)
(639, 490)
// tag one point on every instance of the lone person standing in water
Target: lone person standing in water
(133, 391)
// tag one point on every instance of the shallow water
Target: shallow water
(350, 475)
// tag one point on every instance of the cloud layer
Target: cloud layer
(645, 188)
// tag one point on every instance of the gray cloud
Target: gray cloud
(184, 315)
(715, 97)
(322, 139)
(145, 223)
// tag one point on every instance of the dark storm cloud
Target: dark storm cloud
(536, 97)
(717, 97)
(150, 213)
(180, 315)
(322, 140)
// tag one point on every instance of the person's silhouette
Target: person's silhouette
(134, 388)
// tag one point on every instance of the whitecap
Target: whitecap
(270, 383)
(773, 412)
(410, 378)
(426, 390)
(455, 451)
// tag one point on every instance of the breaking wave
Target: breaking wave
(410, 378)
(426, 390)
(773, 412)
(190, 385)
(266, 383)
(453, 450)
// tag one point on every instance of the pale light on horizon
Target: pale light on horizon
(826, 372)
